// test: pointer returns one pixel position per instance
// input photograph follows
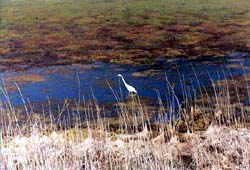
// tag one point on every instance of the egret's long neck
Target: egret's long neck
(124, 81)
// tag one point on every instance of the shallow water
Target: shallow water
(91, 80)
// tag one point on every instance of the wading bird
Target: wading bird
(130, 89)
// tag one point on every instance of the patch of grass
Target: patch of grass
(27, 15)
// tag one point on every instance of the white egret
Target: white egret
(130, 88)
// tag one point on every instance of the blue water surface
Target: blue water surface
(91, 80)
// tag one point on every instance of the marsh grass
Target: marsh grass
(206, 131)
(41, 33)
(23, 17)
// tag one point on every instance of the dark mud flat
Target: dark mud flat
(98, 81)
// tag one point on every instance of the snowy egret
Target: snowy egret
(130, 88)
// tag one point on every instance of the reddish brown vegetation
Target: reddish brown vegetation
(124, 44)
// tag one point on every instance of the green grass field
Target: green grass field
(28, 15)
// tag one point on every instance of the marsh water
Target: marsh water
(99, 80)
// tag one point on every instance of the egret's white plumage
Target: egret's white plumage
(130, 88)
